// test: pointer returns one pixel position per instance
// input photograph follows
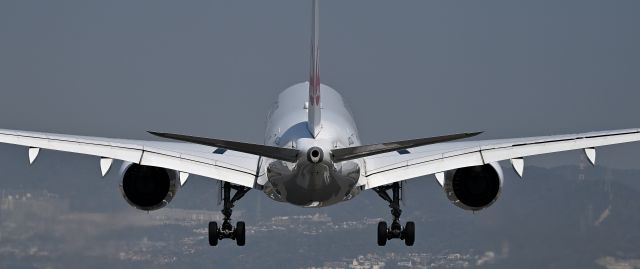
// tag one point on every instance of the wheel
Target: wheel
(240, 233)
(409, 233)
(382, 233)
(213, 233)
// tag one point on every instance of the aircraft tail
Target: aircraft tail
(314, 107)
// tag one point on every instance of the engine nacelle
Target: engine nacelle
(148, 187)
(475, 187)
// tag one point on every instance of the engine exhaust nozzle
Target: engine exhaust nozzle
(315, 154)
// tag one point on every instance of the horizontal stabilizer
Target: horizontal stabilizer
(345, 154)
(283, 154)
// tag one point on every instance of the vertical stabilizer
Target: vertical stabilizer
(313, 122)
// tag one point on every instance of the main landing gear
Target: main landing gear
(396, 230)
(227, 230)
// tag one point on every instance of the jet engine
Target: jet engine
(148, 187)
(475, 187)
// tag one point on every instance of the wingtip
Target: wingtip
(475, 133)
(155, 133)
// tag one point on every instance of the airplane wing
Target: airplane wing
(226, 165)
(436, 158)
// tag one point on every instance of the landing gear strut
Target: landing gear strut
(227, 230)
(396, 230)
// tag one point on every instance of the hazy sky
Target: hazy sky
(408, 68)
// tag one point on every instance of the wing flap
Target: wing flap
(431, 159)
(237, 168)
(207, 169)
(426, 166)
(128, 153)
(499, 152)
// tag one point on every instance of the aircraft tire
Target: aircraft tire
(410, 233)
(382, 233)
(240, 233)
(213, 233)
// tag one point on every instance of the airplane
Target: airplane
(312, 156)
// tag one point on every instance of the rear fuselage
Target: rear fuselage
(314, 180)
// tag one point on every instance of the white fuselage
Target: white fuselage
(304, 182)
